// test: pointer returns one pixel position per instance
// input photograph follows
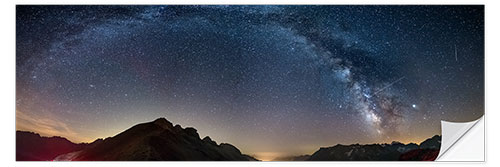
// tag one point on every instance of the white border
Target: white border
(7, 88)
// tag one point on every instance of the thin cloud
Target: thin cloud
(45, 126)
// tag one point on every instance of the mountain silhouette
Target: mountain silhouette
(33, 147)
(431, 143)
(160, 140)
(427, 150)
(157, 141)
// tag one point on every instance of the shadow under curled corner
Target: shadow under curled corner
(462, 141)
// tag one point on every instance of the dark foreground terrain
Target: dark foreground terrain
(160, 140)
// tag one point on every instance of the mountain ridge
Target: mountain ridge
(378, 152)
(158, 140)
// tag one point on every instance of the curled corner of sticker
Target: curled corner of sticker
(462, 141)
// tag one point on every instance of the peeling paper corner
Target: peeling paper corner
(462, 141)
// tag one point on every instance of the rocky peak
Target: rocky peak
(209, 140)
(164, 123)
(192, 132)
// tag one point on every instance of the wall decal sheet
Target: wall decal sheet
(244, 83)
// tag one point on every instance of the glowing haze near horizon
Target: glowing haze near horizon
(271, 80)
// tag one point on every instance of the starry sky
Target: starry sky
(271, 80)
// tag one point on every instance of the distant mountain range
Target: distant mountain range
(427, 150)
(160, 140)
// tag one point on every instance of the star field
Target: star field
(281, 80)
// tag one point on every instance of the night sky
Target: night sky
(271, 80)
